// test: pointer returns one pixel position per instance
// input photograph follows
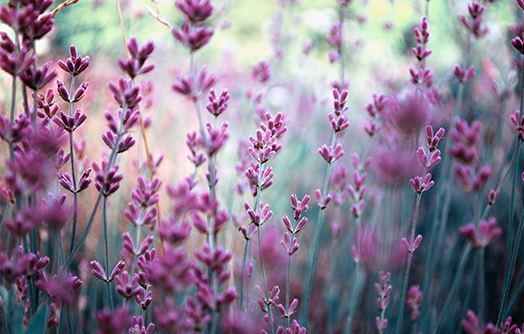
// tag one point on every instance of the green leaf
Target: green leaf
(39, 322)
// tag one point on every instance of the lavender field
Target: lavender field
(277, 167)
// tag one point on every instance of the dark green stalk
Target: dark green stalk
(111, 162)
(108, 284)
(507, 283)
(465, 255)
(482, 282)
(408, 266)
(73, 174)
(288, 284)
(443, 196)
(509, 267)
(60, 246)
(465, 305)
(60, 321)
(318, 235)
(353, 299)
(86, 232)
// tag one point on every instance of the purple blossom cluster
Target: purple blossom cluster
(427, 198)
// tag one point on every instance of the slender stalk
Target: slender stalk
(73, 174)
(242, 275)
(86, 232)
(509, 267)
(60, 321)
(120, 18)
(12, 118)
(408, 266)
(268, 307)
(507, 283)
(465, 303)
(353, 299)
(60, 246)
(443, 195)
(318, 235)
(481, 284)
(288, 285)
(108, 284)
(341, 47)
(465, 255)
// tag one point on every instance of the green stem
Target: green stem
(60, 246)
(465, 255)
(242, 275)
(353, 299)
(442, 197)
(482, 283)
(318, 235)
(408, 266)
(507, 283)
(509, 266)
(108, 284)
(271, 325)
(86, 232)
(73, 174)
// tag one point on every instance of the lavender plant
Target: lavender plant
(180, 235)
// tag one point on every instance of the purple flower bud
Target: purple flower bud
(75, 64)
(464, 75)
(195, 10)
(125, 93)
(36, 79)
(261, 71)
(482, 235)
(521, 4)
(217, 105)
(98, 271)
(70, 123)
(193, 38)
(335, 38)
(420, 52)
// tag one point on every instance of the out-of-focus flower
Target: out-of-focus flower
(195, 10)
(193, 38)
(261, 71)
(482, 235)
(409, 114)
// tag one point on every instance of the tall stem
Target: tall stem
(242, 276)
(408, 266)
(465, 255)
(12, 118)
(509, 267)
(443, 196)
(268, 306)
(318, 235)
(507, 283)
(73, 174)
(108, 284)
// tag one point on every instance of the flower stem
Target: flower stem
(242, 276)
(318, 235)
(108, 284)
(507, 283)
(465, 255)
(408, 266)
(73, 174)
